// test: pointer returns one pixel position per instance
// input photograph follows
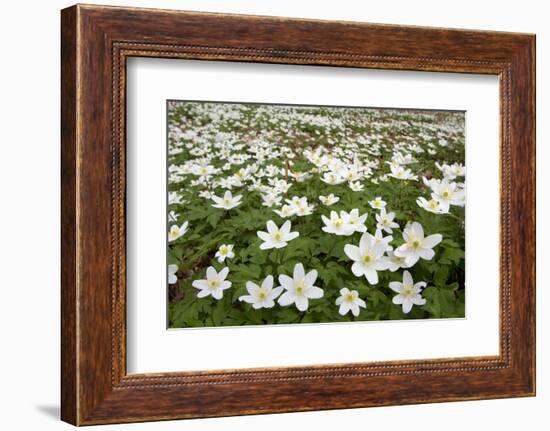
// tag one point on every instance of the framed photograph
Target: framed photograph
(264, 215)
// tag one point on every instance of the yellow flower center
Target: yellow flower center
(278, 236)
(416, 243)
(300, 287)
(349, 297)
(262, 294)
(376, 203)
(432, 204)
(407, 291)
(446, 194)
(212, 284)
(226, 201)
(338, 223)
(367, 258)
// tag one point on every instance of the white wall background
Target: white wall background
(29, 220)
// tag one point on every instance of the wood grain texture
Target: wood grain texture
(68, 218)
(96, 41)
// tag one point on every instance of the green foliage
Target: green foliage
(211, 227)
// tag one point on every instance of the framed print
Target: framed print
(286, 207)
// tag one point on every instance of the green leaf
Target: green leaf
(258, 258)
(376, 297)
(240, 291)
(440, 276)
(214, 218)
(440, 302)
(452, 255)
(288, 315)
(219, 314)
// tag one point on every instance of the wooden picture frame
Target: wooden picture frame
(96, 41)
